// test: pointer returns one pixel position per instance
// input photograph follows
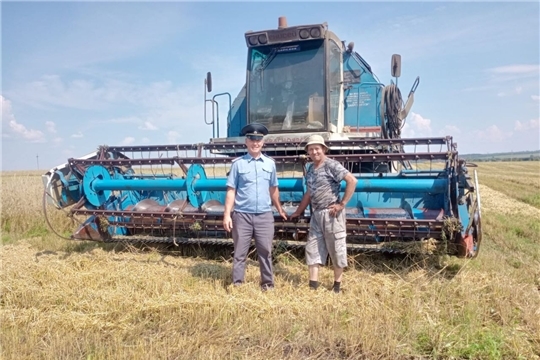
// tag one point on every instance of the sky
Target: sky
(77, 75)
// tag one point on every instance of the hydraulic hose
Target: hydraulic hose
(393, 104)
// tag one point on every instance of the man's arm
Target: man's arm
(350, 181)
(229, 203)
(274, 196)
(303, 205)
(232, 184)
(274, 192)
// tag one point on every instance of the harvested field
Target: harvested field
(82, 300)
(498, 202)
(518, 180)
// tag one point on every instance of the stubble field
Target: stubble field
(62, 299)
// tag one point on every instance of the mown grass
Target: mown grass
(82, 300)
(519, 180)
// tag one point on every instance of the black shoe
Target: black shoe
(337, 287)
(313, 285)
(267, 287)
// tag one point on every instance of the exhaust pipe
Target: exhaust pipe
(282, 22)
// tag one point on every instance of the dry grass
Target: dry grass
(100, 304)
(79, 300)
(22, 211)
(504, 204)
(518, 180)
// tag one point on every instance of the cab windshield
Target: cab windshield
(286, 87)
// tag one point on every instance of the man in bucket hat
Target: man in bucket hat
(327, 227)
(252, 187)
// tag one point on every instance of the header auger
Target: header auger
(300, 80)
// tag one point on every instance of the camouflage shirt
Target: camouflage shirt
(324, 183)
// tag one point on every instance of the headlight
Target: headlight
(263, 39)
(253, 40)
(315, 32)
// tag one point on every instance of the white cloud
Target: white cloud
(516, 69)
(172, 137)
(145, 140)
(514, 79)
(128, 141)
(493, 134)
(77, 135)
(58, 140)
(478, 88)
(68, 151)
(517, 90)
(535, 97)
(148, 126)
(51, 126)
(56, 91)
(416, 126)
(158, 102)
(421, 123)
(7, 117)
(10, 124)
(450, 130)
(51, 90)
(28, 134)
(7, 112)
(123, 120)
(528, 125)
(160, 105)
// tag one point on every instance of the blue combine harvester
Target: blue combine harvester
(301, 80)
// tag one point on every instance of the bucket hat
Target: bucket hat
(315, 139)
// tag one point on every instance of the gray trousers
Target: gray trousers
(246, 227)
(327, 235)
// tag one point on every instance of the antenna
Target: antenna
(37, 159)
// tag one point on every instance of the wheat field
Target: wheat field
(62, 299)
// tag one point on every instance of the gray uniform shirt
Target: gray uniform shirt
(324, 183)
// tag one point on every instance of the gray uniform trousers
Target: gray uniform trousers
(245, 227)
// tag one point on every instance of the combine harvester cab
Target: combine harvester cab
(411, 193)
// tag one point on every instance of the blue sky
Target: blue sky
(76, 75)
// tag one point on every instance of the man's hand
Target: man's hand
(227, 223)
(334, 209)
(295, 215)
(283, 214)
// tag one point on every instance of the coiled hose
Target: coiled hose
(392, 106)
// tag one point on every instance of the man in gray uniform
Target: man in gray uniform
(252, 187)
(327, 228)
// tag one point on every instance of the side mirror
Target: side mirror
(208, 81)
(396, 65)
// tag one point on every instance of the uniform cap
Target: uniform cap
(315, 139)
(254, 130)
